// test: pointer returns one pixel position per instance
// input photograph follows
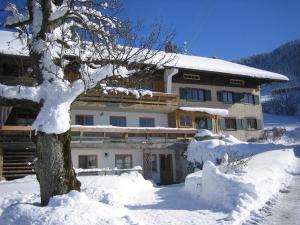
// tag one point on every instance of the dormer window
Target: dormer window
(191, 76)
(237, 82)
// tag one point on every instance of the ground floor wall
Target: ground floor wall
(158, 163)
(247, 135)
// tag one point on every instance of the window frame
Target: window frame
(237, 82)
(188, 76)
(84, 119)
(234, 122)
(247, 97)
(185, 121)
(117, 117)
(204, 120)
(253, 120)
(124, 155)
(146, 118)
(225, 96)
(194, 94)
(88, 155)
(154, 168)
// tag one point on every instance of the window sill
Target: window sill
(230, 130)
(251, 129)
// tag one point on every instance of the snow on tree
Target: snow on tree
(58, 33)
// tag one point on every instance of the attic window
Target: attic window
(237, 82)
(191, 76)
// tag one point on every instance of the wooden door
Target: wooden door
(166, 169)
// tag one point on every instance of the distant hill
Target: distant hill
(285, 60)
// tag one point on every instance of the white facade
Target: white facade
(102, 117)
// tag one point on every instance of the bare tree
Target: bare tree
(60, 32)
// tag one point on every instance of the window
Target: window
(237, 82)
(118, 121)
(248, 98)
(191, 76)
(230, 124)
(193, 94)
(227, 97)
(201, 123)
(251, 123)
(10, 70)
(25, 118)
(146, 122)
(84, 120)
(154, 163)
(87, 161)
(185, 121)
(123, 161)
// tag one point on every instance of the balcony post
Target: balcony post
(1, 163)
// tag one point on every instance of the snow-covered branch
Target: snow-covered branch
(15, 19)
(20, 92)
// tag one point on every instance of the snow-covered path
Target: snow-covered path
(285, 209)
(173, 205)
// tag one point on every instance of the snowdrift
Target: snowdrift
(100, 202)
(238, 193)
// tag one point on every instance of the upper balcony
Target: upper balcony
(159, 100)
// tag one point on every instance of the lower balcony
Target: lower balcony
(100, 134)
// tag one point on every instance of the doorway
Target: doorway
(166, 169)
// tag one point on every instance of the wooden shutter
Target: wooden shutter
(222, 124)
(258, 124)
(256, 99)
(239, 124)
(182, 93)
(220, 96)
(207, 95)
(209, 123)
(244, 124)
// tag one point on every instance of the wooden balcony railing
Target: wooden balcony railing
(158, 98)
(105, 134)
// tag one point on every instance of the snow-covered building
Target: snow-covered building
(124, 128)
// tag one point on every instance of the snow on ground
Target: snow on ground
(100, 202)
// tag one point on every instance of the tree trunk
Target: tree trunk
(54, 168)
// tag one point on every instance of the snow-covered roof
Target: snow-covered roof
(211, 111)
(222, 66)
(10, 44)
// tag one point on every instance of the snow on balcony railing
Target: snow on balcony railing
(107, 171)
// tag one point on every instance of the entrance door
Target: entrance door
(166, 169)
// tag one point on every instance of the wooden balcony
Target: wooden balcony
(94, 134)
(160, 100)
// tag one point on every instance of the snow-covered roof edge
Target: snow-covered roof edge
(11, 45)
(211, 111)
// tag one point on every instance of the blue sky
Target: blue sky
(228, 29)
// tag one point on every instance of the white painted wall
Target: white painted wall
(102, 117)
(109, 162)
